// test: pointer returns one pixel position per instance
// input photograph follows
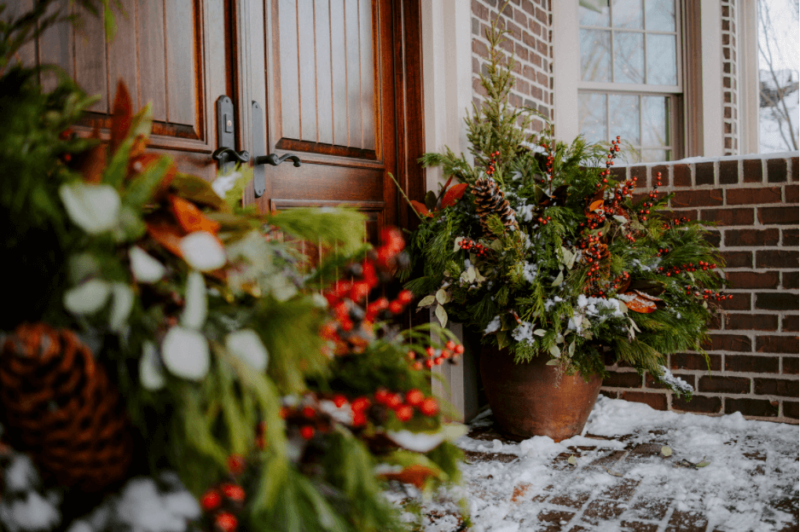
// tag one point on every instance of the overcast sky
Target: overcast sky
(783, 14)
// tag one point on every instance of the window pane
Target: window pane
(624, 113)
(656, 156)
(655, 121)
(593, 118)
(627, 14)
(628, 57)
(660, 15)
(662, 61)
(595, 55)
(590, 17)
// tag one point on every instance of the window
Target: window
(630, 74)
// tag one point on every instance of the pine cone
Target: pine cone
(59, 406)
(489, 199)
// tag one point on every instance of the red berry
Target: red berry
(226, 522)
(233, 492)
(429, 363)
(236, 464)
(405, 297)
(450, 345)
(395, 307)
(359, 419)
(429, 406)
(430, 351)
(307, 432)
(418, 365)
(414, 397)
(393, 400)
(308, 412)
(210, 500)
(339, 400)
(404, 413)
(360, 404)
(411, 355)
(381, 395)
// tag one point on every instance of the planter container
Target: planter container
(532, 399)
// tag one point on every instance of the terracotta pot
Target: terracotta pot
(531, 400)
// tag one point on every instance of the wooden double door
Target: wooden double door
(335, 82)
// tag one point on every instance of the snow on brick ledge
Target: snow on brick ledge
(754, 346)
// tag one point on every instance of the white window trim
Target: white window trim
(566, 72)
(747, 72)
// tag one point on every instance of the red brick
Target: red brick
(751, 407)
(728, 342)
(697, 198)
(716, 384)
(777, 344)
(789, 280)
(694, 361)
(751, 364)
(480, 10)
(776, 301)
(786, 388)
(480, 49)
(752, 196)
(776, 170)
(640, 173)
(776, 258)
(527, 5)
(609, 394)
(751, 237)
(794, 169)
(623, 380)
(753, 279)
(791, 194)
(789, 324)
(704, 174)
(790, 407)
(790, 365)
(790, 237)
(778, 215)
(728, 172)
(699, 403)
(738, 259)
(752, 171)
(739, 302)
(729, 216)
(682, 175)
(657, 401)
(751, 322)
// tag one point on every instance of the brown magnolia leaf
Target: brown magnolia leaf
(413, 474)
(453, 194)
(191, 218)
(444, 188)
(91, 163)
(595, 205)
(559, 194)
(166, 234)
(121, 116)
(421, 209)
(635, 302)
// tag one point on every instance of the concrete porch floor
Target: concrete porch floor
(617, 478)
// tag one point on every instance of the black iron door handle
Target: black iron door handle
(274, 160)
(229, 154)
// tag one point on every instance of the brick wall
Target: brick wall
(529, 38)
(754, 346)
(730, 77)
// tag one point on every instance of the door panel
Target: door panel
(330, 100)
(161, 52)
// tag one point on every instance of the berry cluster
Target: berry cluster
(621, 280)
(690, 267)
(612, 154)
(222, 503)
(436, 357)
(662, 252)
(652, 197)
(471, 246)
(353, 326)
(706, 293)
(492, 162)
(544, 220)
(549, 165)
(675, 222)
(403, 405)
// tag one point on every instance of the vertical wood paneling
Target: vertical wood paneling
(55, 47)
(27, 53)
(122, 53)
(151, 45)
(338, 73)
(308, 70)
(353, 57)
(181, 68)
(367, 75)
(90, 59)
(322, 26)
(288, 69)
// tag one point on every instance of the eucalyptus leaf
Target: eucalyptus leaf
(441, 315)
(555, 351)
(442, 296)
(553, 362)
(666, 451)
(621, 219)
(427, 301)
(540, 332)
(572, 460)
(559, 279)
(702, 464)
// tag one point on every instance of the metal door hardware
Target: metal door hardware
(260, 158)
(226, 153)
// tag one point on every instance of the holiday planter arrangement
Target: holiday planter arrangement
(175, 365)
(559, 266)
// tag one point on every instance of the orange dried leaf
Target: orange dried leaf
(421, 209)
(453, 194)
(637, 303)
(190, 217)
(595, 205)
(121, 116)
(169, 236)
(413, 474)
(91, 164)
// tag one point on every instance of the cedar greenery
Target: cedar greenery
(585, 251)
